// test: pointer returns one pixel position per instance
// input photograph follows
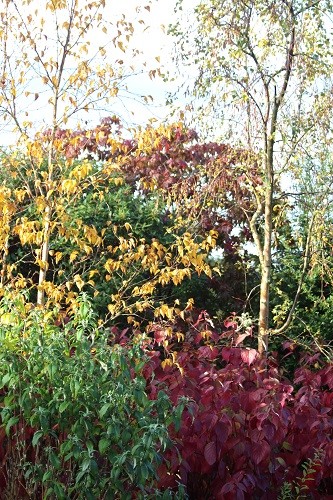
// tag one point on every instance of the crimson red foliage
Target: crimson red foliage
(246, 430)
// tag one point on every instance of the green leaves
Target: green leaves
(103, 445)
(87, 413)
(12, 421)
(36, 438)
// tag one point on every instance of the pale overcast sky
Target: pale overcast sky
(153, 42)
(150, 39)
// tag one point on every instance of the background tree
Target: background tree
(312, 206)
(200, 187)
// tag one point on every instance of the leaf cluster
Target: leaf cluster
(247, 430)
(76, 416)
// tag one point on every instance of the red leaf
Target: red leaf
(210, 453)
(230, 323)
(226, 351)
(248, 355)
(221, 469)
(261, 451)
(221, 432)
(240, 338)
(207, 352)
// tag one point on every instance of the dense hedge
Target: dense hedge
(92, 413)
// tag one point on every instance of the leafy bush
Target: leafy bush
(247, 431)
(77, 422)
(92, 414)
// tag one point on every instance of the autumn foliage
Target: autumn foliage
(202, 179)
(246, 430)
(238, 428)
(140, 267)
(241, 429)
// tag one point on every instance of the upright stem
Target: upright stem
(4, 262)
(47, 218)
(266, 268)
(44, 256)
(270, 139)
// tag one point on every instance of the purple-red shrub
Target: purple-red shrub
(246, 430)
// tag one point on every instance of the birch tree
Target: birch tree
(262, 70)
(52, 73)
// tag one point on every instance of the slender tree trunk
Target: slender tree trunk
(44, 256)
(266, 261)
(266, 270)
(45, 247)
(4, 262)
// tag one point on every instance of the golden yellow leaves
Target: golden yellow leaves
(79, 281)
(160, 265)
(54, 5)
(117, 181)
(55, 293)
(150, 138)
(58, 257)
(29, 231)
(147, 289)
(43, 264)
(35, 152)
(69, 186)
(81, 171)
(7, 211)
(81, 74)
(73, 256)
(165, 311)
(121, 46)
(172, 362)
(92, 235)
(40, 203)
(20, 194)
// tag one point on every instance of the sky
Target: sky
(153, 42)
(150, 38)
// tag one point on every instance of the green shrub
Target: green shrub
(75, 409)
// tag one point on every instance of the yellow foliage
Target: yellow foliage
(166, 362)
(73, 256)
(56, 4)
(54, 293)
(81, 171)
(79, 281)
(42, 264)
(58, 256)
(164, 311)
(92, 236)
(40, 203)
(93, 272)
(20, 194)
(69, 186)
